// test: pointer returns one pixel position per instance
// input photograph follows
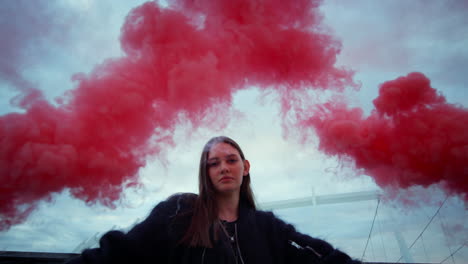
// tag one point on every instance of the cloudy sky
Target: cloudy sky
(46, 43)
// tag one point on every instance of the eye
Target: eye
(232, 160)
(212, 164)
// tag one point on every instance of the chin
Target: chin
(228, 190)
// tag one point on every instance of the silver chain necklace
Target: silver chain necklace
(231, 238)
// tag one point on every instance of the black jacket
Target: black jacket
(262, 238)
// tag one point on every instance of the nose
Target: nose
(224, 167)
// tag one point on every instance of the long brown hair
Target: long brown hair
(205, 213)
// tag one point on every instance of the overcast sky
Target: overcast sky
(381, 40)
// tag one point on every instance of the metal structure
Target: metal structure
(313, 200)
(321, 199)
(18, 257)
(15, 257)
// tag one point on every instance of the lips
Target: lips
(225, 178)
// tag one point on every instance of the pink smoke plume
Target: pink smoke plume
(180, 60)
(412, 137)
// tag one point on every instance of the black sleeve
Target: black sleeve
(146, 242)
(301, 248)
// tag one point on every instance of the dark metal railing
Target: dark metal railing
(18, 257)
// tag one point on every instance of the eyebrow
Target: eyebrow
(227, 156)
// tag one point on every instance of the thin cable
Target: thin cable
(422, 232)
(425, 251)
(381, 237)
(372, 227)
(442, 226)
(455, 252)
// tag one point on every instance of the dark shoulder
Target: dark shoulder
(179, 202)
(265, 218)
(273, 223)
(265, 215)
(182, 197)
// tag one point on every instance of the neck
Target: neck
(228, 207)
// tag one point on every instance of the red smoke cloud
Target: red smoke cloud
(179, 60)
(412, 137)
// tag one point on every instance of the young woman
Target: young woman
(219, 225)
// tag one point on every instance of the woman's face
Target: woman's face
(226, 168)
